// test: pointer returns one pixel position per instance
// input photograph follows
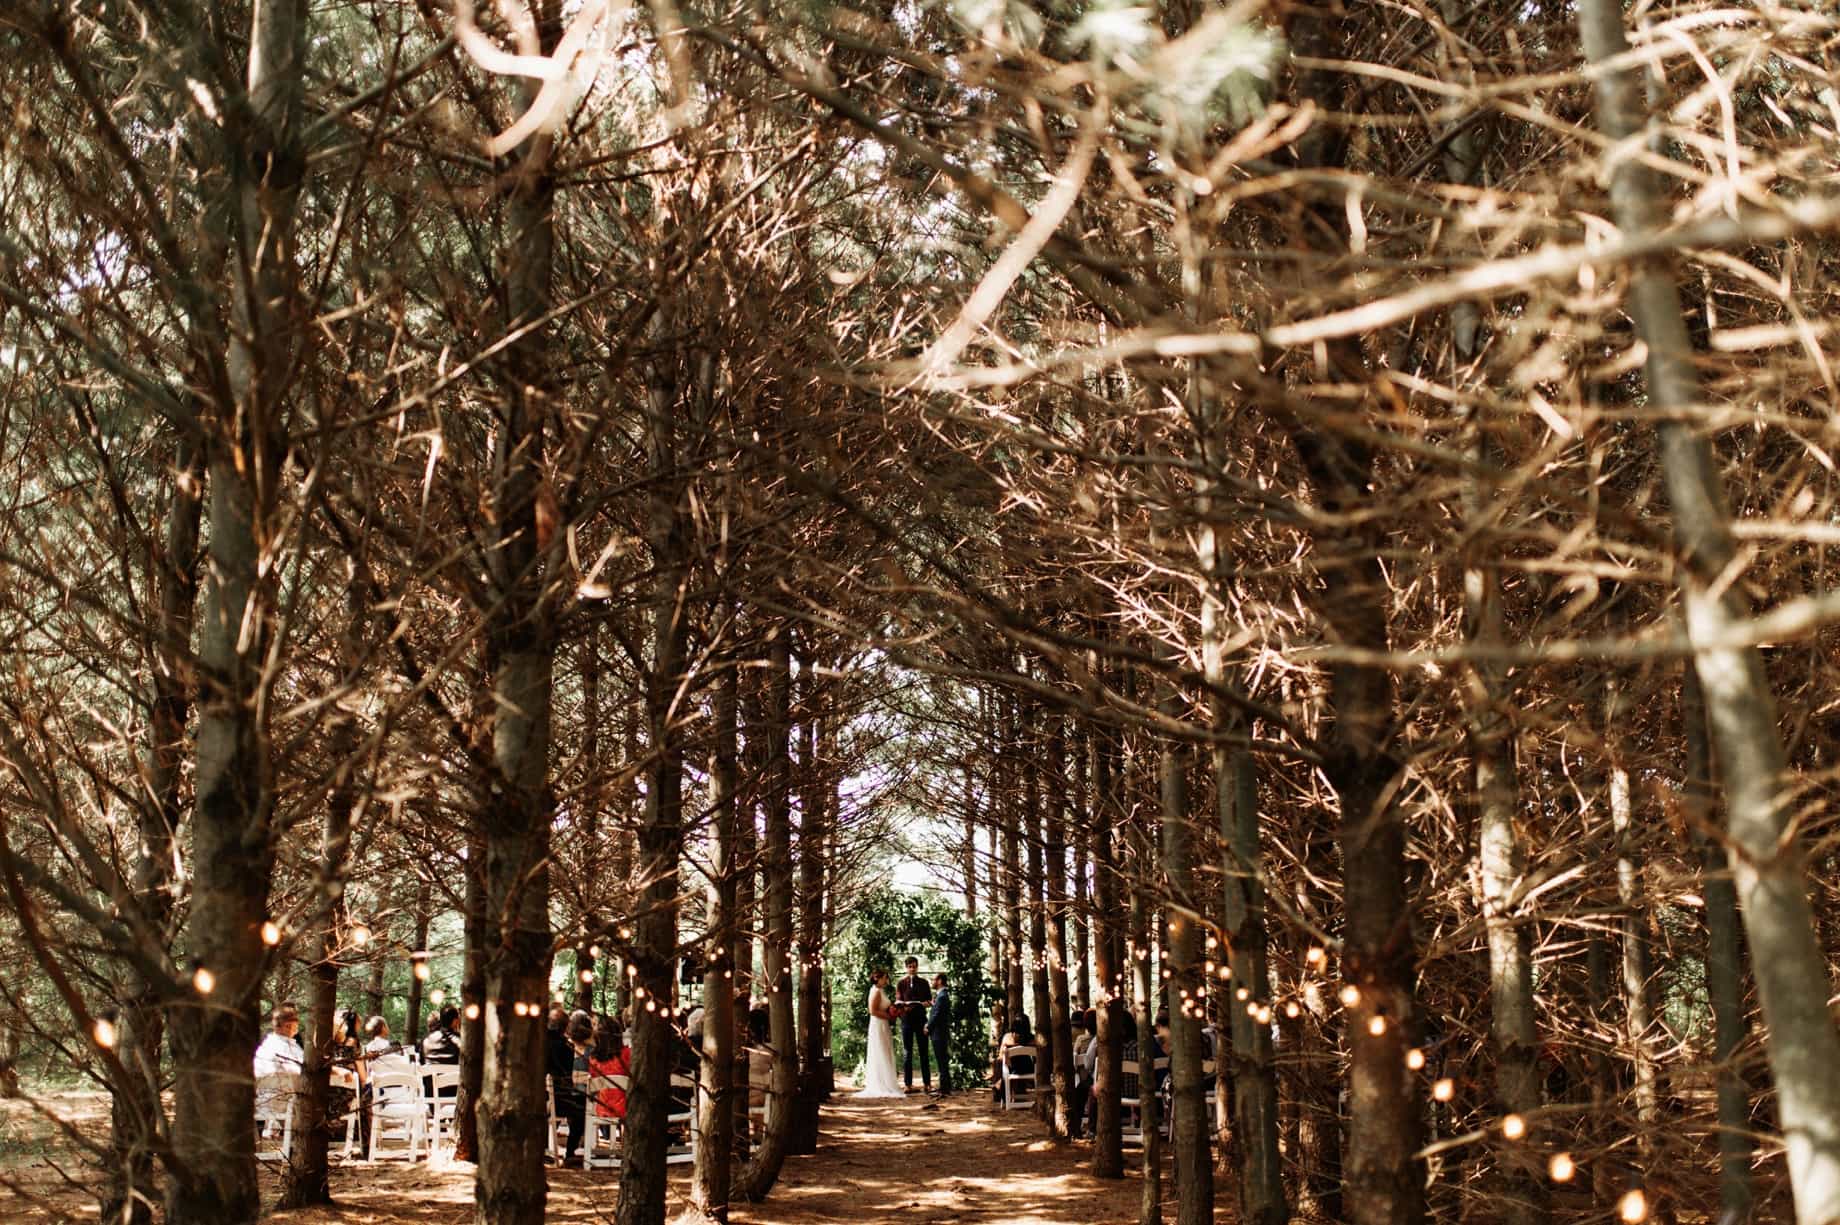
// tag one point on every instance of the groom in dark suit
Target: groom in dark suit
(939, 1032)
(913, 995)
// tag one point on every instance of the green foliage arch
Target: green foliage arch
(882, 931)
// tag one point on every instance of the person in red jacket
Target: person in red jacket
(609, 1057)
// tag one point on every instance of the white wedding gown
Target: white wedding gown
(879, 1076)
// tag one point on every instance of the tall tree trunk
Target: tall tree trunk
(812, 856)
(1635, 963)
(715, 1154)
(970, 849)
(1039, 1000)
(1194, 1167)
(754, 721)
(1792, 976)
(1060, 1020)
(1143, 907)
(307, 1180)
(1081, 913)
(136, 1115)
(412, 1013)
(1108, 1130)
(1007, 810)
(233, 840)
(764, 1168)
(1254, 1070)
(479, 932)
(1724, 961)
(1501, 856)
(512, 1114)
(588, 922)
(654, 953)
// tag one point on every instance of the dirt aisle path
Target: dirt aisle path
(905, 1162)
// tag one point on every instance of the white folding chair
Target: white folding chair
(275, 1109)
(1018, 1087)
(439, 1106)
(1131, 1104)
(397, 1114)
(602, 1128)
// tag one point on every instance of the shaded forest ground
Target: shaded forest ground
(877, 1161)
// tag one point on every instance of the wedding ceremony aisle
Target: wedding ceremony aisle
(876, 1161)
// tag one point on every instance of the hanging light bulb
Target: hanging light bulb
(421, 971)
(1633, 1207)
(437, 997)
(1317, 955)
(1351, 995)
(518, 1008)
(203, 981)
(1264, 1015)
(1243, 994)
(1292, 1011)
(472, 1012)
(271, 933)
(1443, 1089)
(1513, 1126)
(1376, 1026)
(360, 935)
(594, 951)
(105, 1033)
(1415, 1059)
(1561, 1167)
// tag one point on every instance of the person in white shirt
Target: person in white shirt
(377, 1030)
(280, 1053)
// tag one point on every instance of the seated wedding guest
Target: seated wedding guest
(559, 1063)
(377, 1037)
(1083, 1070)
(759, 1055)
(1020, 1034)
(442, 1045)
(999, 1026)
(608, 1058)
(349, 1074)
(280, 1053)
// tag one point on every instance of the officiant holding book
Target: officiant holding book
(912, 994)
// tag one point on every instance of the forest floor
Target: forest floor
(910, 1161)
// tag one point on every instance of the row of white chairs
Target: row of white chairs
(411, 1113)
(1019, 1089)
(603, 1136)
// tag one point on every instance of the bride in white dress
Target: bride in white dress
(879, 1078)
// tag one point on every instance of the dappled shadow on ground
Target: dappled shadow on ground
(877, 1161)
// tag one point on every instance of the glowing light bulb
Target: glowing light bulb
(271, 933)
(1376, 1026)
(105, 1033)
(594, 951)
(1264, 1016)
(203, 981)
(1243, 994)
(472, 1012)
(1415, 1059)
(1513, 1126)
(1317, 955)
(1292, 1011)
(437, 997)
(360, 935)
(651, 1005)
(587, 976)
(1225, 974)
(1633, 1207)
(626, 933)
(1213, 942)
(1351, 995)
(518, 1008)
(1561, 1167)
(421, 971)
(1444, 1089)
(1252, 1010)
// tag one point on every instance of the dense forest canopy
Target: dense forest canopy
(1313, 518)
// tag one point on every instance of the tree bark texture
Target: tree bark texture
(1060, 1020)
(715, 1154)
(1187, 1000)
(1108, 1130)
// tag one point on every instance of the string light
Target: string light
(1264, 1016)
(626, 933)
(203, 981)
(421, 971)
(1444, 1089)
(1561, 1167)
(360, 935)
(651, 1005)
(1292, 1011)
(518, 1008)
(1317, 955)
(1213, 942)
(105, 1033)
(472, 1012)
(271, 933)
(438, 997)
(1415, 1059)
(1351, 995)
(1633, 1207)
(1376, 1026)
(1243, 994)
(1513, 1126)
(587, 976)
(594, 951)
